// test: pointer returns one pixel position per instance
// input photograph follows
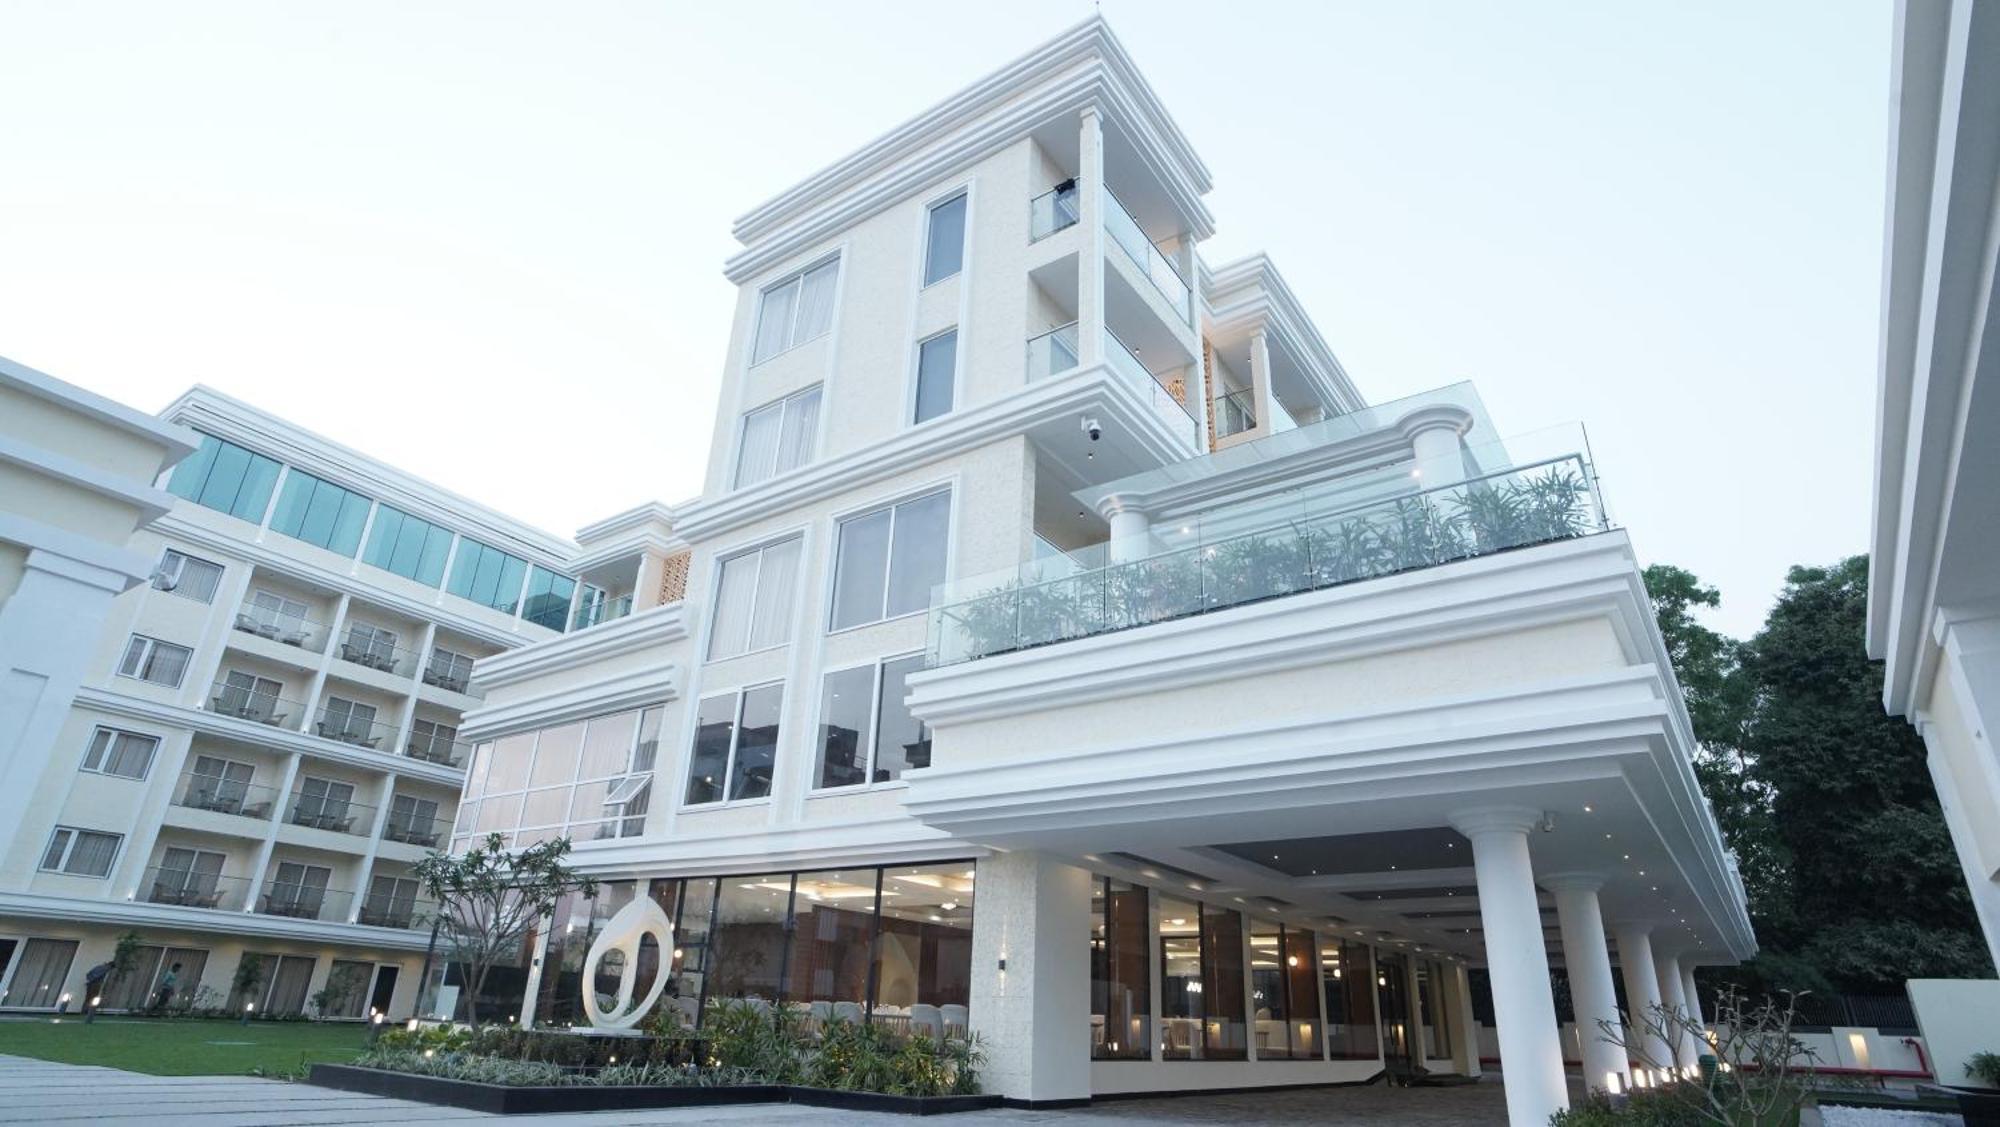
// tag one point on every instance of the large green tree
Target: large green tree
(1825, 798)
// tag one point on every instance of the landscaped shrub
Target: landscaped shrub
(1985, 1068)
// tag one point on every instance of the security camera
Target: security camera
(1093, 428)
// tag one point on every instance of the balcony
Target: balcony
(423, 833)
(1234, 413)
(449, 676)
(225, 796)
(1272, 548)
(1056, 351)
(1157, 267)
(183, 888)
(599, 611)
(335, 815)
(400, 912)
(375, 651)
(1052, 211)
(278, 626)
(438, 749)
(304, 901)
(246, 703)
(357, 729)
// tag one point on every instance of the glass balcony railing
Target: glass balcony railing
(247, 702)
(278, 626)
(360, 729)
(400, 912)
(300, 901)
(1361, 527)
(1056, 352)
(1052, 211)
(375, 651)
(1053, 352)
(218, 795)
(452, 676)
(600, 610)
(1234, 413)
(437, 749)
(422, 832)
(1157, 267)
(336, 815)
(185, 888)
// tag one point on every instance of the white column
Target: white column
(1260, 383)
(1693, 999)
(1129, 528)
(1464, 1027)
(1673, 997)
(1439, 453)
(1588, 960)
(1642, 995)
(1091, 203)
(1031, 977)
(1413, 1009)
(1524, 1007)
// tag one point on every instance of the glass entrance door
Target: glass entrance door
(1391, 976)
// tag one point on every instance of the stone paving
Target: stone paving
(33, 1091)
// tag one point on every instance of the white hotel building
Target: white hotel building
(1069, 652)
(259, 742)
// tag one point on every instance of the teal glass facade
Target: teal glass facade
(321, 513)
(487, 576)
(227, 478)
(408, 546)
(548, 598)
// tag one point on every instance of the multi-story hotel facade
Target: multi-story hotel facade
(1070, 654)
(260, 737)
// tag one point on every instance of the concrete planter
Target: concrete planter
(503, 1099)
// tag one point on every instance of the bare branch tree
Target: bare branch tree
(1761, 1071)
(490, 899)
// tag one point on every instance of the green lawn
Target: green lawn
(182, 1048)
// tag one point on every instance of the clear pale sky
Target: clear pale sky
(483, 241)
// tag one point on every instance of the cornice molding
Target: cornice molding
(61, 543)
(1267, 300)
(146, 502)
(895, 839)
(635, 633)
(166, 917)
(599, 697)
(175, 442)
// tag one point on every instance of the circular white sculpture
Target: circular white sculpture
(622, 933)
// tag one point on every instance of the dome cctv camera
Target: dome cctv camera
(1092, 428)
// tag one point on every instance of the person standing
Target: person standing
(168, 980)
(93, 986)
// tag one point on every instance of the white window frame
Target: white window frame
(950, 490)
(69, 851)
(103, 754)
(740, 693)
(173, 568)
(756, 594)
(148, 647)
(964, 236)
(795, 278)
(783, 406)
(917, 376)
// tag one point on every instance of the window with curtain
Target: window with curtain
(225, 477)
(150, 659)
(944, 242)
(320, 513)
(39, 973)
(80, 853)
(114, 751)
(190, 577)
(487, 576)
(548, 598)
(778, 437)
(408, 546)
(937, 367)
(887, 561)
(1347, 974)
(794, 310)
(1121, 983)
(735, 745)
(753, 599)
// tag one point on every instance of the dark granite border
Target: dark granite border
(501, 1099)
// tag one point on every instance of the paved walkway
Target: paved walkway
(33, 1091)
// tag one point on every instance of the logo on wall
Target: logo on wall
(623, 933)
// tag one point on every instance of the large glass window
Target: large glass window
(753, 600)
(1347, 973)
(691, 955)
(1284, 992)
(748, 937)
(114, 751)
(1301, 986)
(833, 927)
(778, 437)
(923, 955)
(735, 745)
(794, 310)
(487, 576)
(937, 364)
(1121, 983)
(548, 598)
(320, 513)
(1432, 1008)
(1180, 980)
(1225, 1031)
(150, 659)
(80, 853)
(887, 561)
(408, 546)
(227, 478)
(944, 246)
(866, 731)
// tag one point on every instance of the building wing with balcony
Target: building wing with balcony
(1070, 654)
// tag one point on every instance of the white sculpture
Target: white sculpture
(622, 934)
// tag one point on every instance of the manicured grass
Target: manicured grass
(185, 1047)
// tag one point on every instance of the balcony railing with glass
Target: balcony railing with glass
(600, 610)
(377, 653)
(423, 832)
(321, 812)
(1157, 267)
(1055, 352)
(304, 901)
(246, 703)
(437, 749)
(1347, 530)
(350, 728)
(448, 677)
(1053, 210)
(218, 795)
(292, 630)
(1234, 412)
(185, 888)
(400, 912)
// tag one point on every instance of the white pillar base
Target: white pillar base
(1031, 977)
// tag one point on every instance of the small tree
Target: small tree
(340, 985)
(124, 958)
(1759, 1071)
(490, 899)
(249, 975)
